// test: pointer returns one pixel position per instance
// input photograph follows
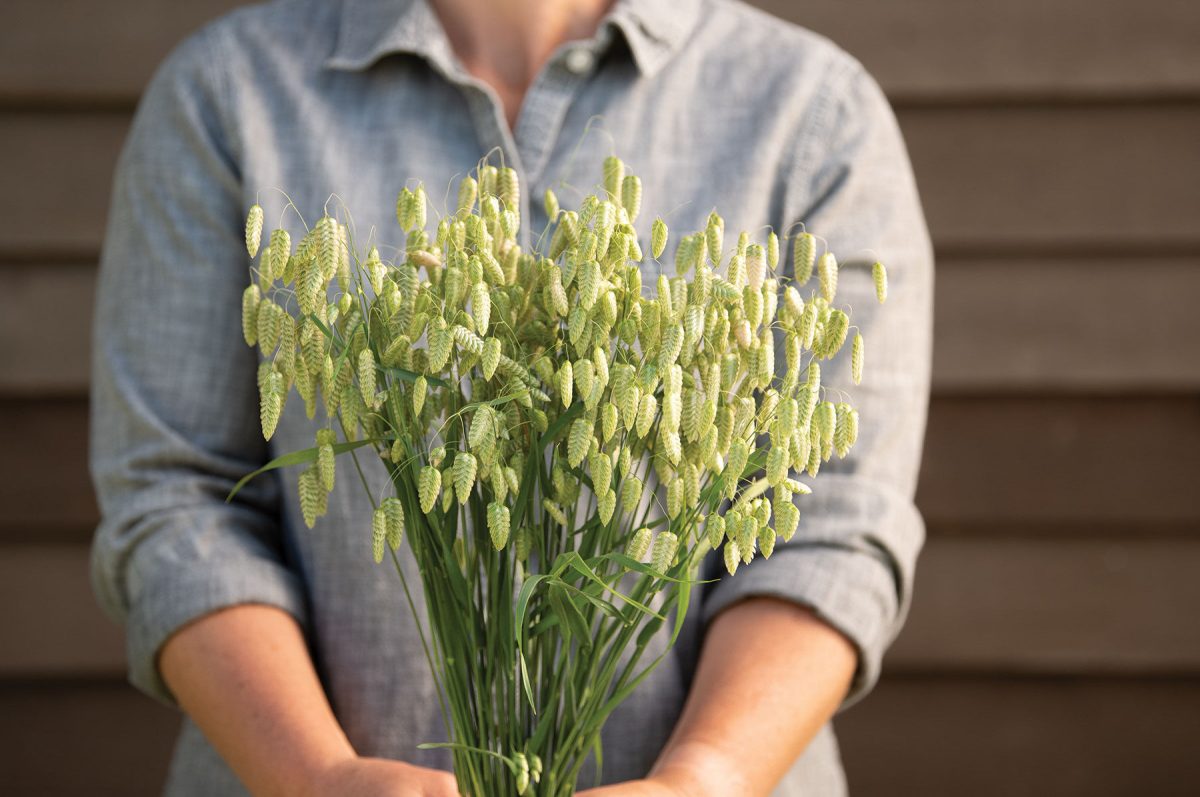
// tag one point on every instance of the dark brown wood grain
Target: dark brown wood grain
(1037, 460)
(1000, 737)
(52, 625)
(69, 52)
(83, 737)
(1063, 604)
(920, 49)
(46, 329)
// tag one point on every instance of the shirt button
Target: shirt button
(580, 61)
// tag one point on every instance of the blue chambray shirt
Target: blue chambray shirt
(712, 103)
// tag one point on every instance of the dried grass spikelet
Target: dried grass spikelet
(579, 441)
(251, 298)
(490, 358)
(834, 335)
(631, 493)
(714, 530)
(856, 358)
(508, 186)
(756, 267)
(272, 393)
(440, 345)
(609, 419)
(464, 471)
(804, 256)
(489, 177)
(312, 496)
(378, 533)
(766, 541)
(772, 251)
(281, 250)
(732, 556)
(270, 326)
(254, 227)
(326, 462)
(565, 382)
(739, 455)
(420, 390)
(639, 544)
(671, 445)
(842, 433)
(523, 543)
(429, 485)
(481, 307)
(483, 431)
(468, 190)
(787, 517)
(879, 275)
(366, 376)
(777, 465)
(827, 272)
(550, 204)
(393, 510)
(714, 236)
(666, 545)
(675, 498)
(614, 176)
(647, 412)
(555, 512)
(498, 524)
(631, 196)
(658, 238)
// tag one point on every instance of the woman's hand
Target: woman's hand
(381, 777)
(647, 787)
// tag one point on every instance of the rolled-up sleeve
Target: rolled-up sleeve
(174, 405)
(853, 557)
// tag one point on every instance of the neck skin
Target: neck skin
(505, 43)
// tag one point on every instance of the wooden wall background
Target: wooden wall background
(1053, 647)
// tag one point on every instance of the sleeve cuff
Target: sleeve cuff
(851, 563)
(852, 592)
(171, 597)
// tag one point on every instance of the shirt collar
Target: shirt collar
(371, 29)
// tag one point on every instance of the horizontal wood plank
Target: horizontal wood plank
(990, 604)
(987, 737)
(1006, 462)
(44, 482)
(46, 329)
(1002, 326)
(70, 738)
(1069, 180)
(59, 170)
(942, 49)
(1038, 460)
(1102, 325)
(99, 56)
(52, 625)
(1090, 180)
(919, 49)
(1059, 605)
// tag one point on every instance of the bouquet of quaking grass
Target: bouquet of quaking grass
(528, 407)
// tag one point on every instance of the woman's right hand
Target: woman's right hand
(381, 777)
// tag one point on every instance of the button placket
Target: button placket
(545, 108)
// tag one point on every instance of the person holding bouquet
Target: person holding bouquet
(294, 658)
